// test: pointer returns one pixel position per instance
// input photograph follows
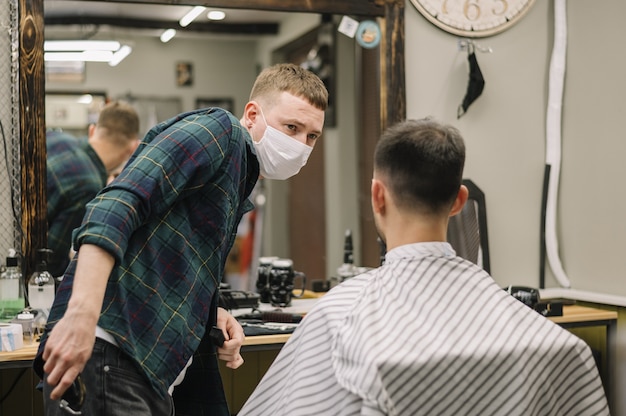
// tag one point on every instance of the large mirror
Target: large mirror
(379, 82)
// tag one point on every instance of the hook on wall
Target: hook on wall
(471, 46)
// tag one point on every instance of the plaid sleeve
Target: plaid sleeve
(175, 159)
(75, 175)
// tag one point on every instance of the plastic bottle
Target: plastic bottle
(11, 288)
(347, 269)
(41, 288)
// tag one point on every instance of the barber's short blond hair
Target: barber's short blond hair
(293, 79)
(120, 120)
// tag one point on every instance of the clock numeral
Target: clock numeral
(505, 7)
(471, 10)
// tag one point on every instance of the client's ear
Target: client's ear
(459, 202)
(378, 196)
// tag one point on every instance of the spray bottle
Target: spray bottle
(11, 288)
(41, 288)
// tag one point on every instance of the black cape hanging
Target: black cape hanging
(475, 85)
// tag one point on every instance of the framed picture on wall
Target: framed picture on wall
(184, 74)
(225, 103)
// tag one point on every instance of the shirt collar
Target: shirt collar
(418, 250)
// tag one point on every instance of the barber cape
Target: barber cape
(428, 333)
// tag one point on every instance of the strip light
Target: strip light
(80, 45)
(109, 51)
(84, 56)
(216, 15)
(167, 35)
(119, 56)
(191, 16)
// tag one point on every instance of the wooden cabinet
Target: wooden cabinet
(240, 383)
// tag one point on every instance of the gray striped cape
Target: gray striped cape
(428, 333)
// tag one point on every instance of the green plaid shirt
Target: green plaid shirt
(75, 174)
(169, 219)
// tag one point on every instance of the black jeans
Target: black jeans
(202, 393)
(114, 386)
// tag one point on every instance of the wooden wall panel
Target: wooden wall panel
(32, 131)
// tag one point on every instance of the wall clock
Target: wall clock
(473, 18)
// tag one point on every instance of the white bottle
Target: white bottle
(11, 289)
(41, 289)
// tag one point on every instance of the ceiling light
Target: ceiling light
(167, 35)
(85, 99)
(109, 51)
(80, 45)
(191, 16)
(119, 56)
(216, 15)
(84, 56)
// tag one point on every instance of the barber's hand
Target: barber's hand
(67, 349)
(233, 333)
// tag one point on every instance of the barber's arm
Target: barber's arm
(71, 341)
(234, 336)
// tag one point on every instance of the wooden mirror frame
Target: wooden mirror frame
(390, 15)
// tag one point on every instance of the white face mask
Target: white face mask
(280, 156)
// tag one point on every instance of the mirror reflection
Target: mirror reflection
(214, 63)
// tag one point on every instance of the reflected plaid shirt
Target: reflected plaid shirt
(169, 220)
(75, 174)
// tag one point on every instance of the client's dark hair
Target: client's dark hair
(422, 161)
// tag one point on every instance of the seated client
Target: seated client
(427, 333)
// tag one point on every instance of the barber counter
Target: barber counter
(19, 397)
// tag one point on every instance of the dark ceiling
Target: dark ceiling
(66, 14)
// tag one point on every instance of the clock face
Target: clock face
(473, 18)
